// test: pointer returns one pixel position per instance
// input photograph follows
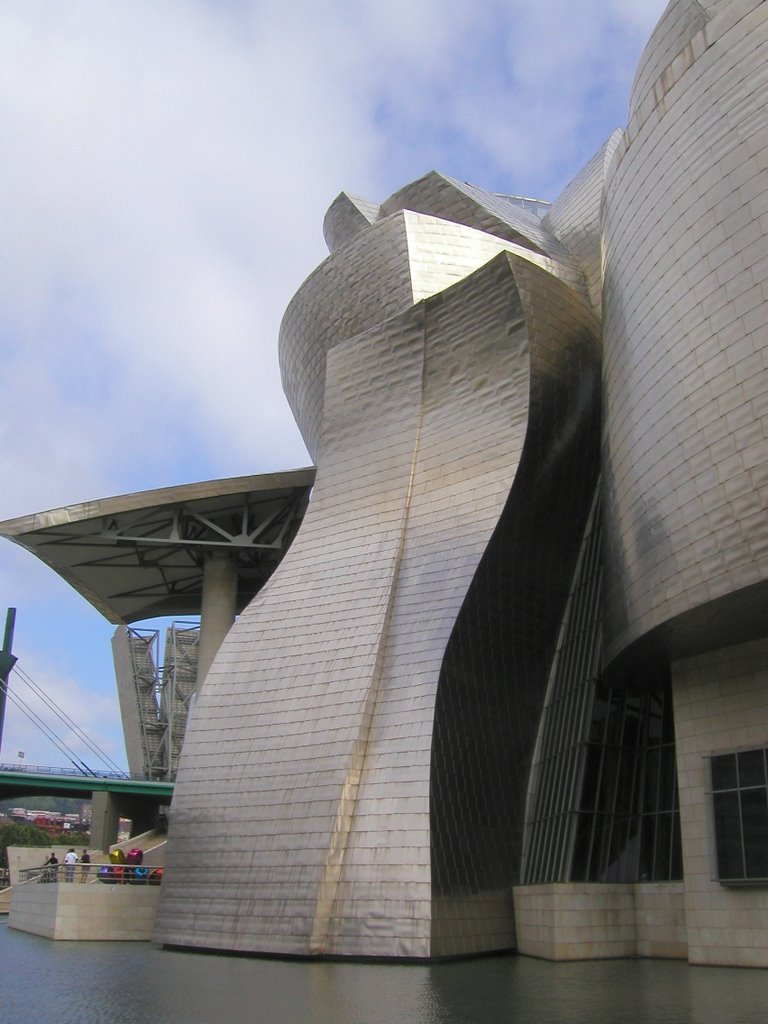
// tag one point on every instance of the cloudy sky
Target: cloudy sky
(166, 169)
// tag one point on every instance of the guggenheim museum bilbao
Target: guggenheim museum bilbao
(508, 688)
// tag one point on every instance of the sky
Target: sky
(166, 170)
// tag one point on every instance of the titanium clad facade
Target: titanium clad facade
(347, 216)
(445, 433)
(576, 218)
(399, 260)
(507, 688)
(497, 661)
(679, 23)
(685, 451)
(686, 347)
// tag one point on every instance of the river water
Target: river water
(45, 982)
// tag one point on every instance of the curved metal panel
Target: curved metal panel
(440, 196)
(316, 717)
(382, 271)
(497, 661)
(575, 218)
(347, 216)
(356, 287)
(314, 730)
(686, 353)
(680, 22)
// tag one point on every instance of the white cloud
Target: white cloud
(534, 89)
(166, 168)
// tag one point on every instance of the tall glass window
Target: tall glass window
(603, 794)
(629, 820)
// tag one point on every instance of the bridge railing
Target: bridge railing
(75, 773)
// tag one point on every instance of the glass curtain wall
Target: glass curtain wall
(629, 819)
(602, 803)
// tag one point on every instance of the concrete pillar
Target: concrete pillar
(218, 609)
(108, 808)
(104, 821)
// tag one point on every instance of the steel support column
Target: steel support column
(7, 661)
(219, 607)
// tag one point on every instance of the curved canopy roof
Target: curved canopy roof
(141, 555)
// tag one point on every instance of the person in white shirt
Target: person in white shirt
(70, 859)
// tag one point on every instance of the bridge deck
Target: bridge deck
(35, 781)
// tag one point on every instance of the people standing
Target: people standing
(51, 867)
(70, 859)
(85, 860)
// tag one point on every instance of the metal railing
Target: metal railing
(59, 873)
(33, 769)
(132, 874)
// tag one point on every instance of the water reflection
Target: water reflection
(133, 983)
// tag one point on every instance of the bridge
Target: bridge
(113, 795)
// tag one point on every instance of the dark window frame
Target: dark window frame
(739, 781)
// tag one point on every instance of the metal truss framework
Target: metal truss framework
(142, 555)
(157, 696)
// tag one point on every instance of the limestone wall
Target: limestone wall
(69, 910)
(721, 705)
(591, 921)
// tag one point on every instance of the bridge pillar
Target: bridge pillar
(107, 809)
(105, 819)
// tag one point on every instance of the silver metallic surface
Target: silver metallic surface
(575, 218)
(347, 216)
(494, 672)
(432, 367)
(686, 347)
(680, 22)
(410, 686)
(357, 770)
(383, 270)
(440, 196)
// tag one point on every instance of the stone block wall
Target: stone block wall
(69, 910)
(590, 921)
(721, 705)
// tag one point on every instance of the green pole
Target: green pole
(7, 661)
